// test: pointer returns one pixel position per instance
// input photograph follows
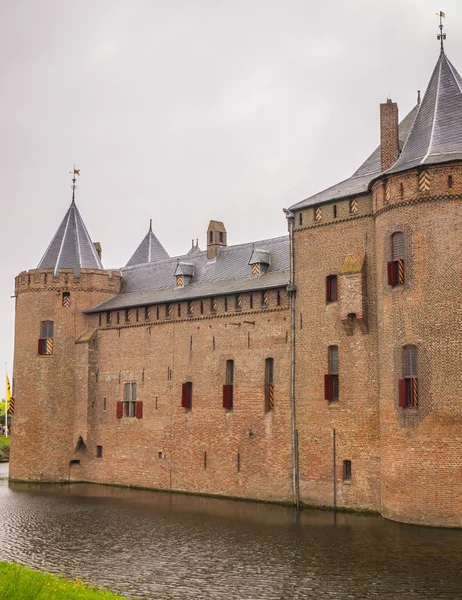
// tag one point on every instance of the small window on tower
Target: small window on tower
(347, 470)
(66, 299)
(395, 267)
(408, 391)
(221, 237)
(45, 343)
(99, 452)
(331, 288)
(331, 379)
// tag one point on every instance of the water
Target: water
(169, 546)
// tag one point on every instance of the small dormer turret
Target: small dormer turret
(184, 273)
(259, 261)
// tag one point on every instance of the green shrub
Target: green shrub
(19, 583)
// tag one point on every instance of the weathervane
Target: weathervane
(441, 36)
(74, 185)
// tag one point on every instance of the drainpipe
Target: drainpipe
(291, 290)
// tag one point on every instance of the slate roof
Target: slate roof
(154, 282)
(359, 182)
(436, 135)
(150, 250)
(71, 246)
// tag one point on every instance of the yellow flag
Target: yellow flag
(442, 14)
(76, 171)
(8, 391)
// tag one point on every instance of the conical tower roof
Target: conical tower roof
(71, 246)
(436, 135)
(150, 250)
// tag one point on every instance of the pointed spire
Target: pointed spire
(150, 250)
(441, 36)
(71, 246)
(436, 135)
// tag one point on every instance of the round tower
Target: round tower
(418, 220)
(51, 370)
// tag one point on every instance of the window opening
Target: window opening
(347, 470)
(99, 452)
(331, 379)
(186, 398)
(229, 386)
(66, 299)
(45, 343)
(408, 390)
(331, 288)
(269, 384)
(395, 268)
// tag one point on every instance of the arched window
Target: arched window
(408, 391)
(395, 267)
(331, 379)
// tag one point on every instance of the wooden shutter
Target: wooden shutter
(119, 410)
(39, 351)
(186, 396)
(399, 270)
(329, 386)
(391, 273)
(327, 289)
(414, 389)
(402, 393)
(139, 410)
(228, 396)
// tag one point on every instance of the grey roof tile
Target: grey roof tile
(150, 250)
(230, 272)
(71, 246)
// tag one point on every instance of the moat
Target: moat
(169, 546)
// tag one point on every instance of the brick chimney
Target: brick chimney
(389, 138)
(216, 238)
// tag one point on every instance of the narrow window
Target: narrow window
(157, 313)
(108, 317)
(66, 299)
(186, 397)
(179, 310)
(353, 206)
(99, 452)
(147, 313)
(318, 213)
(331, 379)
(213, 305)
(104, 403)
(45, 343)
(401, 191)
(202, 308)
(265, 298)
(221, 237)
(229, 386)
(347, 470)
(395, 268)
(226, 304)
(300, 218)
(278, 298)
(408, 390)
(449, 181)
(238, 302)
(118, 318)
(190, 308)
(251, 301)
(269, 384)
(137, 315)
(131, 407)
(127, 315)
(100, 319)
(211, 236)
(168, 311)
(335, 211)
(331, 288)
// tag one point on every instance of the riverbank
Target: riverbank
(19, 583)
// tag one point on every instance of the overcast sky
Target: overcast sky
(189, 110)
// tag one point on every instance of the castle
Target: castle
(320, 368)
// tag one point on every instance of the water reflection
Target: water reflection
(168, 546)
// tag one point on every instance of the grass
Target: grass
(4, 446)
(19, 583)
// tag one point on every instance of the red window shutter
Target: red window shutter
(328, 386)
(39, 351)
(402, 393)
(186, 395)
(391, 273)
(228, 396)
(139, 410)
(119, 410)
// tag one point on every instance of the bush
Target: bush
(4, 447)
(19, 583)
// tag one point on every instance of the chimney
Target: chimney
(216, 238)
(99, 250)
(389, 138)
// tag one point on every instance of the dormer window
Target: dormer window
(259, 262)
(184, 272)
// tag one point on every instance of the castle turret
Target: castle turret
(53, 374)
(418, 224)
